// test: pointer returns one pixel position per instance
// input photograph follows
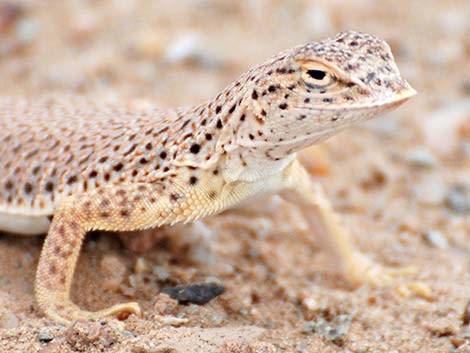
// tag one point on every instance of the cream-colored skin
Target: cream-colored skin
(128, 169)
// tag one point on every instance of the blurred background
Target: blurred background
(180, 52)
(401, 183)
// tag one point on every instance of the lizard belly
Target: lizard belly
(24, 225)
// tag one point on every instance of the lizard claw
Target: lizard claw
(365, 271)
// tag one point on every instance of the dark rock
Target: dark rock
(194, 293)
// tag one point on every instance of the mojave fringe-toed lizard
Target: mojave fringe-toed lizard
(119, 168)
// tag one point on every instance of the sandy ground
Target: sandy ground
(401, 183)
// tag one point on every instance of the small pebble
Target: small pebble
(466, 314)
(417, 289)
(128, 333)
(422, 158)
(194, 293)
(141, 266)
(161, 273)
(458, 199)
(45, 337)
(310, 304)
(435, 239)
(334, 331)
(165, 305)
(213, 280)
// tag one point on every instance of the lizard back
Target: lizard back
(50, 149)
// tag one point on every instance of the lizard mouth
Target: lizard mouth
(394, 100)
(402, 96)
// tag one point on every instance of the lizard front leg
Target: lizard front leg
(356, 268)
(127, 207)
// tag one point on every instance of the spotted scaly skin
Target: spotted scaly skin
(127, 168)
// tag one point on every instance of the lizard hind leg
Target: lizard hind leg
(60, 252)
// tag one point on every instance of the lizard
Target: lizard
(70, 166)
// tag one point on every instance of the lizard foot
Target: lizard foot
(66, 312)
(363, 270)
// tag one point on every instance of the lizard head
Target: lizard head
(309, 93)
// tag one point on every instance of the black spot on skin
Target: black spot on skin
(327, 100)
(53, 269)
(232, 109)
(251, 136)
(219, 124)
(263, 112)
(282, 70)
(143, 160)
(185, 123)
(118, 167)
(148, 146)
(272, 88)
(28, 188)
(163, 155)
(72, 179)
(353, 43)
(334, 118)
(301, 117)
(218, 109)
(174, 197)
(195, 148)
(8, 185)
(161, 131)
(103, 159)
(208, 137)
(254, 95)
(93, 174)
(107, 177)
(283, 106)
(49, 187)
(242, 118)
(192, 180)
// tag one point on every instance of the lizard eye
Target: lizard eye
(316, 75)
